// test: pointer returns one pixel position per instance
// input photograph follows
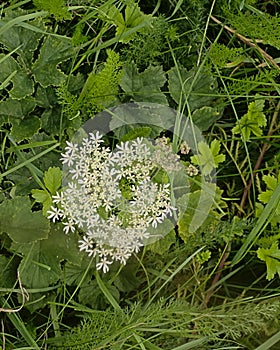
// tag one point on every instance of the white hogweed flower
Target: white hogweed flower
(111, 197)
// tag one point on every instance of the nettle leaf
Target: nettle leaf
(209, 158)
(54, 51)
(41, 263)
(271, 256)
(133, 18)
(23, 225)
(253, 121)
(196, 88)
(12, 72)
(144, 86)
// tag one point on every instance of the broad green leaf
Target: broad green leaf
(53, 179)
(43, 197)
(11, 108)
(41, 263)
(196, 212)
(162, 245)
(90, 294)
(253, 121)
(133, 17)
(196, 88)
(204, 117)
(24, 41)
(56, 8)
(208, 158)
(144, 86)
(8, 268)
(26, 128)
(22, 82)
(127, 281)
(271, 256)
(23, 225)
(54, 51)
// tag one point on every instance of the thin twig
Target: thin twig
(248, 42)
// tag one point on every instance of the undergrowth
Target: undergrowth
(206, 71)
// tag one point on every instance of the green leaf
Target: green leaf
(253, 121)
(204, 117)
(145, 86)
(209, 158)
(162, 245)
(271, 183)
(41, 263)
(196, 88)
(26, 128)
(24, 41)
(8, 268)
(43, 197)
(22, 82)
(133, 18)
(54, 51)
(54, 7)
(23, 225)
(53, 179)
(271, 256)
(11, 108)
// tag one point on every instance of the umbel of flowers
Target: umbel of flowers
(112, 197)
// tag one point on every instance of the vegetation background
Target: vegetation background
(62, 62)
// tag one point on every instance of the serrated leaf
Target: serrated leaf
(11, 108)
(23, 225)
(26, 128)
(204, 117)
(271, 183)
(40, 266)
(133, 17)
(22, 39)
(162, 245)
(271, 256)
(53, 179)
(43, 197)
(208, 158)
(196, 88)
(22, 83)
(145, 86)
(253, 121)
(54, 51)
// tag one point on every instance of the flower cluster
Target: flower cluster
(111, 197)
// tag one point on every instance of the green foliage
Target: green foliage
(256, 25)
(133, 19)
(252, 121)
(52, 181)
(208, 158)
(147, 45)
(271, 256)
(54, 7)
(99, 90)
(23, 226)
(225, 57)
(144, 86)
